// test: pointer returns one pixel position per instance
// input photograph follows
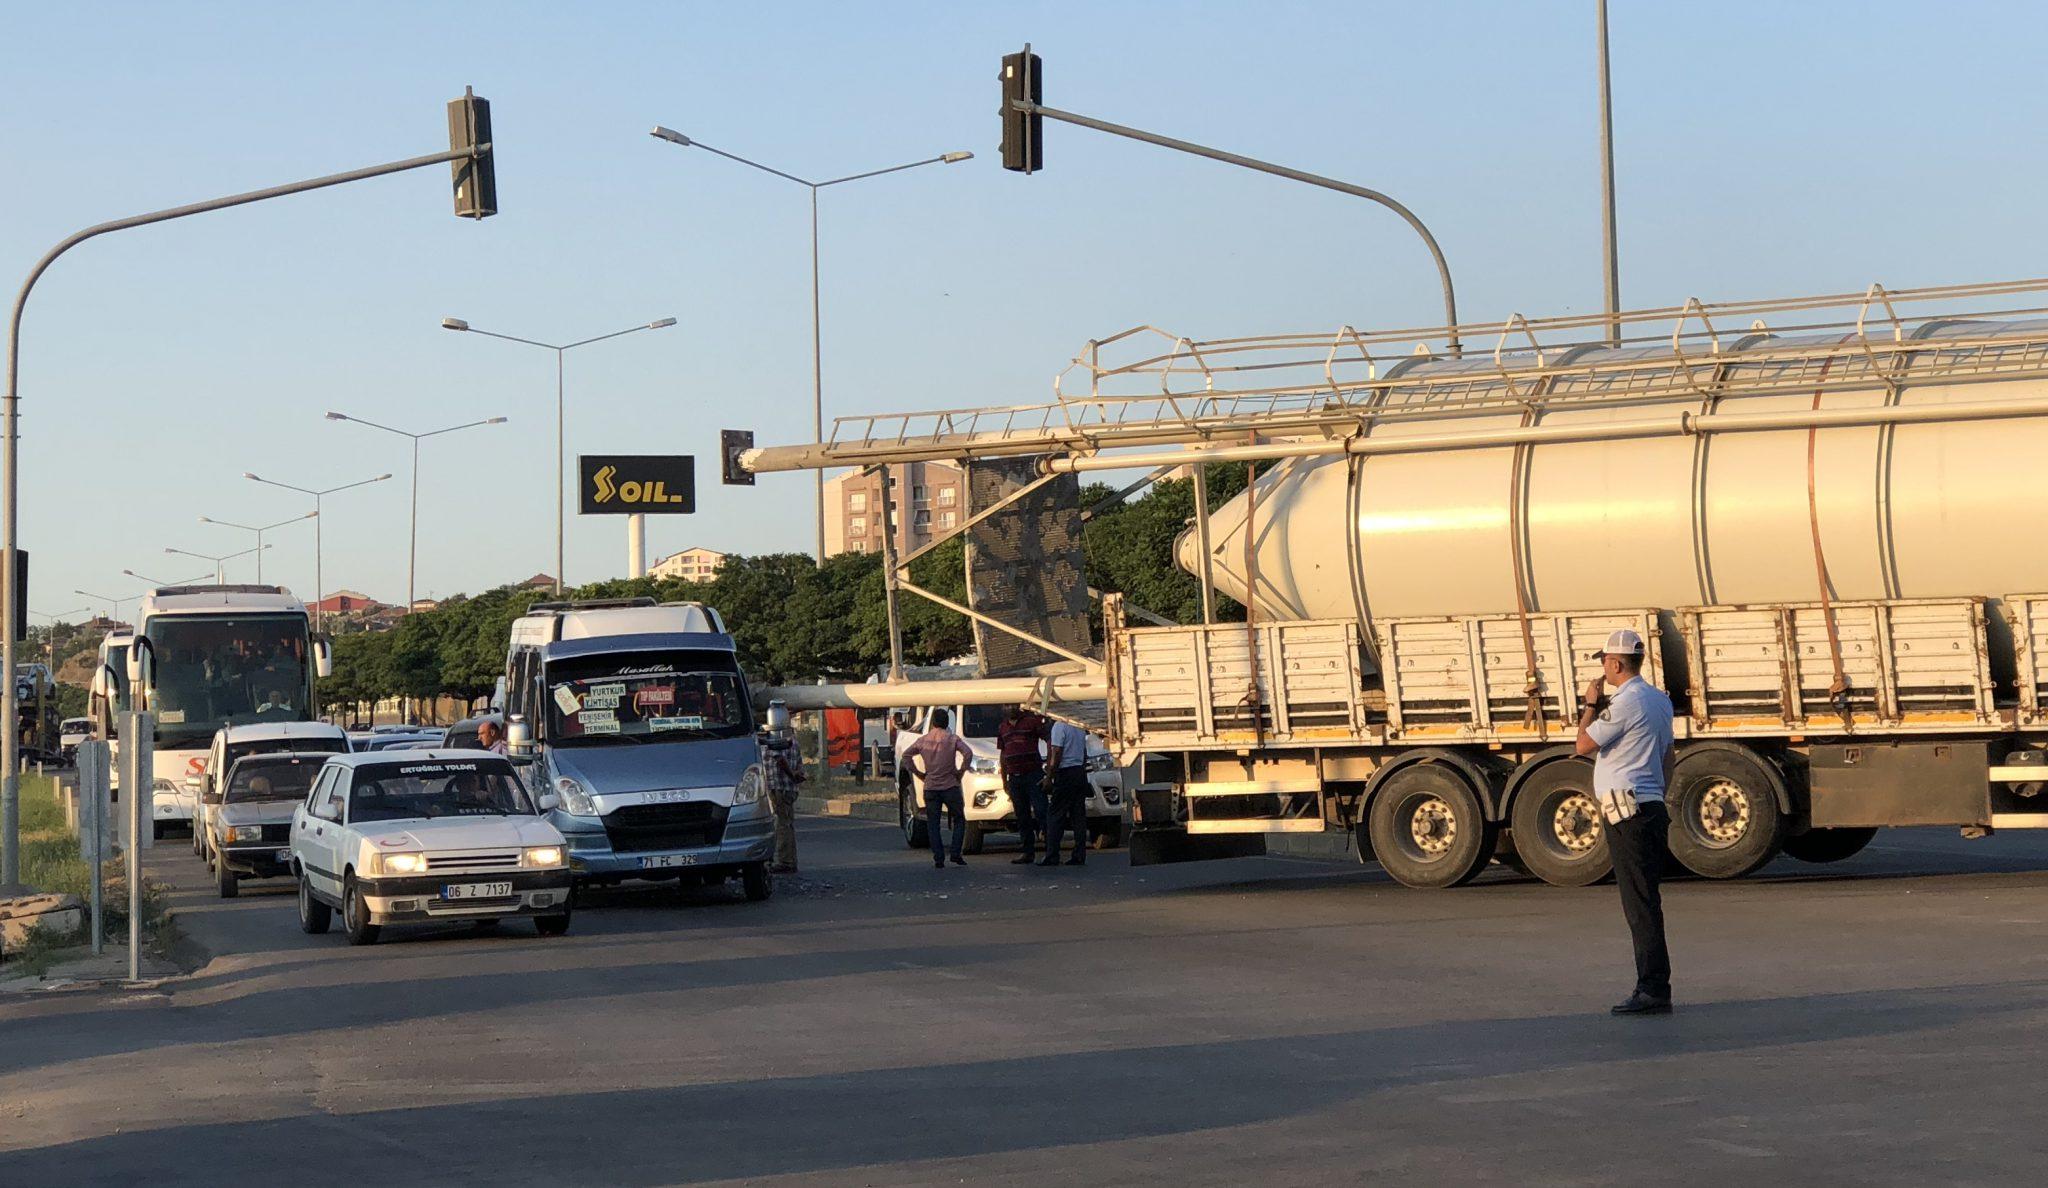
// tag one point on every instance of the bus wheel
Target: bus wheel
(1428, 829)
(1828, 845)
(1558, 833)
(1725, 821)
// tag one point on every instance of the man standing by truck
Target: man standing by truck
(1629, 732)
(1023, 768)
(938, 758)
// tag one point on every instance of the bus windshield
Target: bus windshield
(214, 671)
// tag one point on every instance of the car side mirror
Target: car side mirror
(518, 737)
(323, 658)
(548, 802)
(209, 798)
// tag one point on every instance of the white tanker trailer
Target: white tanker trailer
(1829, 532)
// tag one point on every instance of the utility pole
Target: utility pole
(1613, 265)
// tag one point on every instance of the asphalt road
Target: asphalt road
(1265, 1021)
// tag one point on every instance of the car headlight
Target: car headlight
(984, 798)
(748, 790)
(575, 797)
(982, 764)
(402, 864)
(1102, 762)
(245, 833)
(541, 856)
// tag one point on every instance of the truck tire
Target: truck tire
(1725, 821)
(1558, 833)
(1504, 852)
(355, 914)
(1828, 845)
(975, 840)
(1428, 829)
(314, 916)
(912, 821)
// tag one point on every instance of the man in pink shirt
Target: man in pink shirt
(939, 756)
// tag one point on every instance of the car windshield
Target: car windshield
(446, 788)
(659, 696)
(275, 746)
(280, 777)
(978, 721)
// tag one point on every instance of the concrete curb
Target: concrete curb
(845, 806)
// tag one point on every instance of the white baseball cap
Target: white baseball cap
(1622, 643)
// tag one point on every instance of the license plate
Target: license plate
(476, 890)
(656, 861)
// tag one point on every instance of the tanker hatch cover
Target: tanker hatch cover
(1025, 567)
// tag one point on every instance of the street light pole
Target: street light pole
(412, 551)
(319, 577)
(159, 582)
(817, 339)
(219, 563)
(561, 416)
(259, 533)
(474, 150)
(113, 604)
(1610, 258)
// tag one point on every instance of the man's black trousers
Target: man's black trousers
(1640, 852)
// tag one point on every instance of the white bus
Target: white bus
(207, 657)
(108, 696)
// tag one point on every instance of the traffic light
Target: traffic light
(476, 178)
(1023, 139)
(731, 444)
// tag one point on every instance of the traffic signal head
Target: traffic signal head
(1023, 142)
(731, 444)
(476, 177)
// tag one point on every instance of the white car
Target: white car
(981, 785)
(417, 837)
(70, 733)
(253, 738)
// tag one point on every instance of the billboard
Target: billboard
(636, 484)
(1024, 566)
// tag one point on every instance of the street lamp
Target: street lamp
(412, 551)
(113, 604)
(219, 563)
(817, 350)
(561, 420)
(319, 580)
(159, 582)
(259, 533)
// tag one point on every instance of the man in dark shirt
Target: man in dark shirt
(1018, 738)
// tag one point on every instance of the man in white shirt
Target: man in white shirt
(1626, 724)
(1066, 766)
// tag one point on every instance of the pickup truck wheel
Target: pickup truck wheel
(911, 819)
(314, 916)
(551, 925)
(1828, 845)
(756, 880)
(975, 841)
(1428, 829)
(225, 881)
(1107, 836)
(1725, 821)
(1559, 836)
(355, 915)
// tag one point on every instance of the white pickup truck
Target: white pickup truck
(988, 803)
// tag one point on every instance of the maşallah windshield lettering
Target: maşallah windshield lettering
(644, 702)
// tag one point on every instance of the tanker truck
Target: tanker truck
(1825, 529)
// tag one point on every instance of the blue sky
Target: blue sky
(1763, 150)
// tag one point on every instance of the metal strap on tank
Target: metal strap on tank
(1251, 596)
(1838, 692)
(1532, 673)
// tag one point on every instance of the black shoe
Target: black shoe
(959, 861)
(1026, 860)
(1077, 860)
(1049, 860)
(1640, 1003)
(939, 863)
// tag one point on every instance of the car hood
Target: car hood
(460, 833)
(643, 767)
(256, 812)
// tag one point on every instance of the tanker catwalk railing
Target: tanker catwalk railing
(1335, 384)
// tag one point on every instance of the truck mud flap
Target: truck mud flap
(1156, 847)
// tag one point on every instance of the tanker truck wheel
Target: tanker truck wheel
(1558, 834)
(1427, 828)
(1828, 845)
(1725, 821)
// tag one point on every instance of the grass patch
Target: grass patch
(50, 862)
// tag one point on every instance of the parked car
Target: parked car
(255, 738)
(71, 732)
(988, 803)
(424, 837)
(249, 823)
